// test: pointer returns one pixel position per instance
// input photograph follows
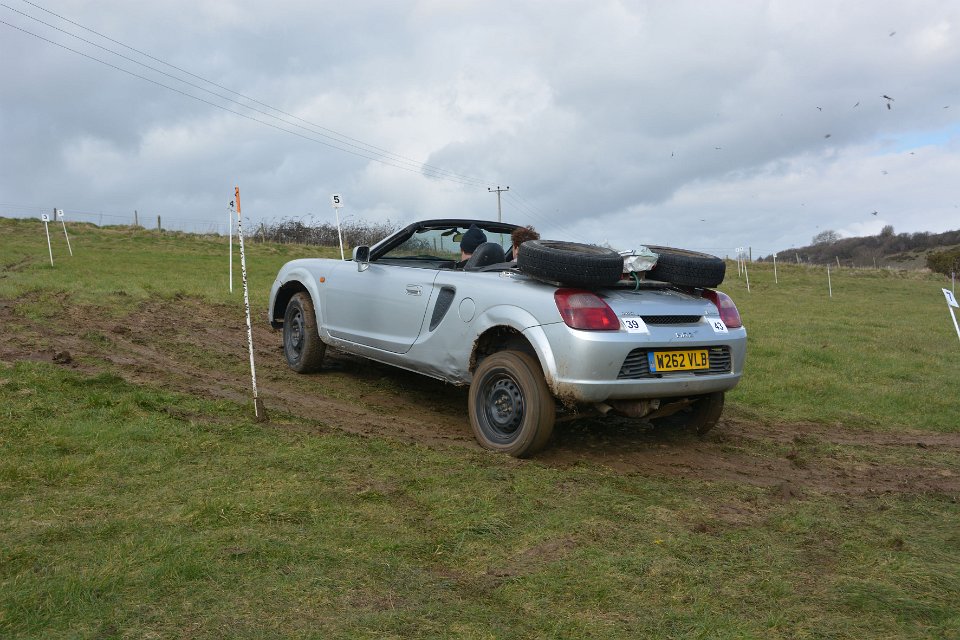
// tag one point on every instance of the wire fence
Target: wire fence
(287, 230)
(114, 218)
(308, 231)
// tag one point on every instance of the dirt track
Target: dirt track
(186, 346)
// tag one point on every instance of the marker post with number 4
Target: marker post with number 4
(46, 227)
(951, 305)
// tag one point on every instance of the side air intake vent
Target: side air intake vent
(444, 300)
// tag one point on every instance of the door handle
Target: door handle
(414, 290)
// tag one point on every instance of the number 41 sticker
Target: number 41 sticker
(718, 326)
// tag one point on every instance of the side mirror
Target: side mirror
(361, 255)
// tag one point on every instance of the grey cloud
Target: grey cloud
(599, 115)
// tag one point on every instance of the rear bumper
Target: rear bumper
(583, 366)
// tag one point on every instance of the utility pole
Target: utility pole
(498, 191)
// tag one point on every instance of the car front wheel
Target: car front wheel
(511, 408)
(301, 343)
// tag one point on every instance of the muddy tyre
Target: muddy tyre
(511, 408)
(571, 263)
(301, 342)
(687, 268)
(701, 416)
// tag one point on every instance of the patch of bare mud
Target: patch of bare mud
(194, 347)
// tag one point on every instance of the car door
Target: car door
(381, 307)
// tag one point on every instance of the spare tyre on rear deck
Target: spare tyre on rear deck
(570, 263)
(687, 268)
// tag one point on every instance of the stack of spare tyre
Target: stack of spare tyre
(586, 265)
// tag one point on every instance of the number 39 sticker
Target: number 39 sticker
(634, 325)
(718, 326)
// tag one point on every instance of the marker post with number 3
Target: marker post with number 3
(46, 227)
(951, 305)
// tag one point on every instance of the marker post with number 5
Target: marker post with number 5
(337, 201)
(46, 227)
(951, 305)
(59, 214)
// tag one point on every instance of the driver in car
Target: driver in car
(469, 242)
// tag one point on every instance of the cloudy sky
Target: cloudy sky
(708, 125)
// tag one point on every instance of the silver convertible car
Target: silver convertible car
(562, 331)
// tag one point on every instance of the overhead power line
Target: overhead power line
(357, 152)
(334, 140)
(236, 93)
(538, 215)
(285, 122)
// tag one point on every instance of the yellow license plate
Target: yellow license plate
(679, 360)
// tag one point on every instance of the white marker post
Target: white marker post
(746, 275)
(59, 213)
(775, 281)
(337, 201)
(258, 409)
(230, 233)
(46, 227)
(739, 261)
(951, 305)
(829, 284)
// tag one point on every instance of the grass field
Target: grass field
(135, 504)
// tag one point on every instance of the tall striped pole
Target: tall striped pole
(258, 408)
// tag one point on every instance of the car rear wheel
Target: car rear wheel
(700, 416)
(687, 268)
(511, 409)
(301, 343)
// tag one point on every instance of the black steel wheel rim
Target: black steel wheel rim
(295, 333)
(503, 407)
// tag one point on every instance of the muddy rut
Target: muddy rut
(189, 346)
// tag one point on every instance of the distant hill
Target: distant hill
(888, 249)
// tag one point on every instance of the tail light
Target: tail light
(728, 310)
(585, 310)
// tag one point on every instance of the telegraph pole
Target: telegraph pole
(498, 191)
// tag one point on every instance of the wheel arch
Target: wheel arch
(499, 338)
(502, 335)
(293, 285)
